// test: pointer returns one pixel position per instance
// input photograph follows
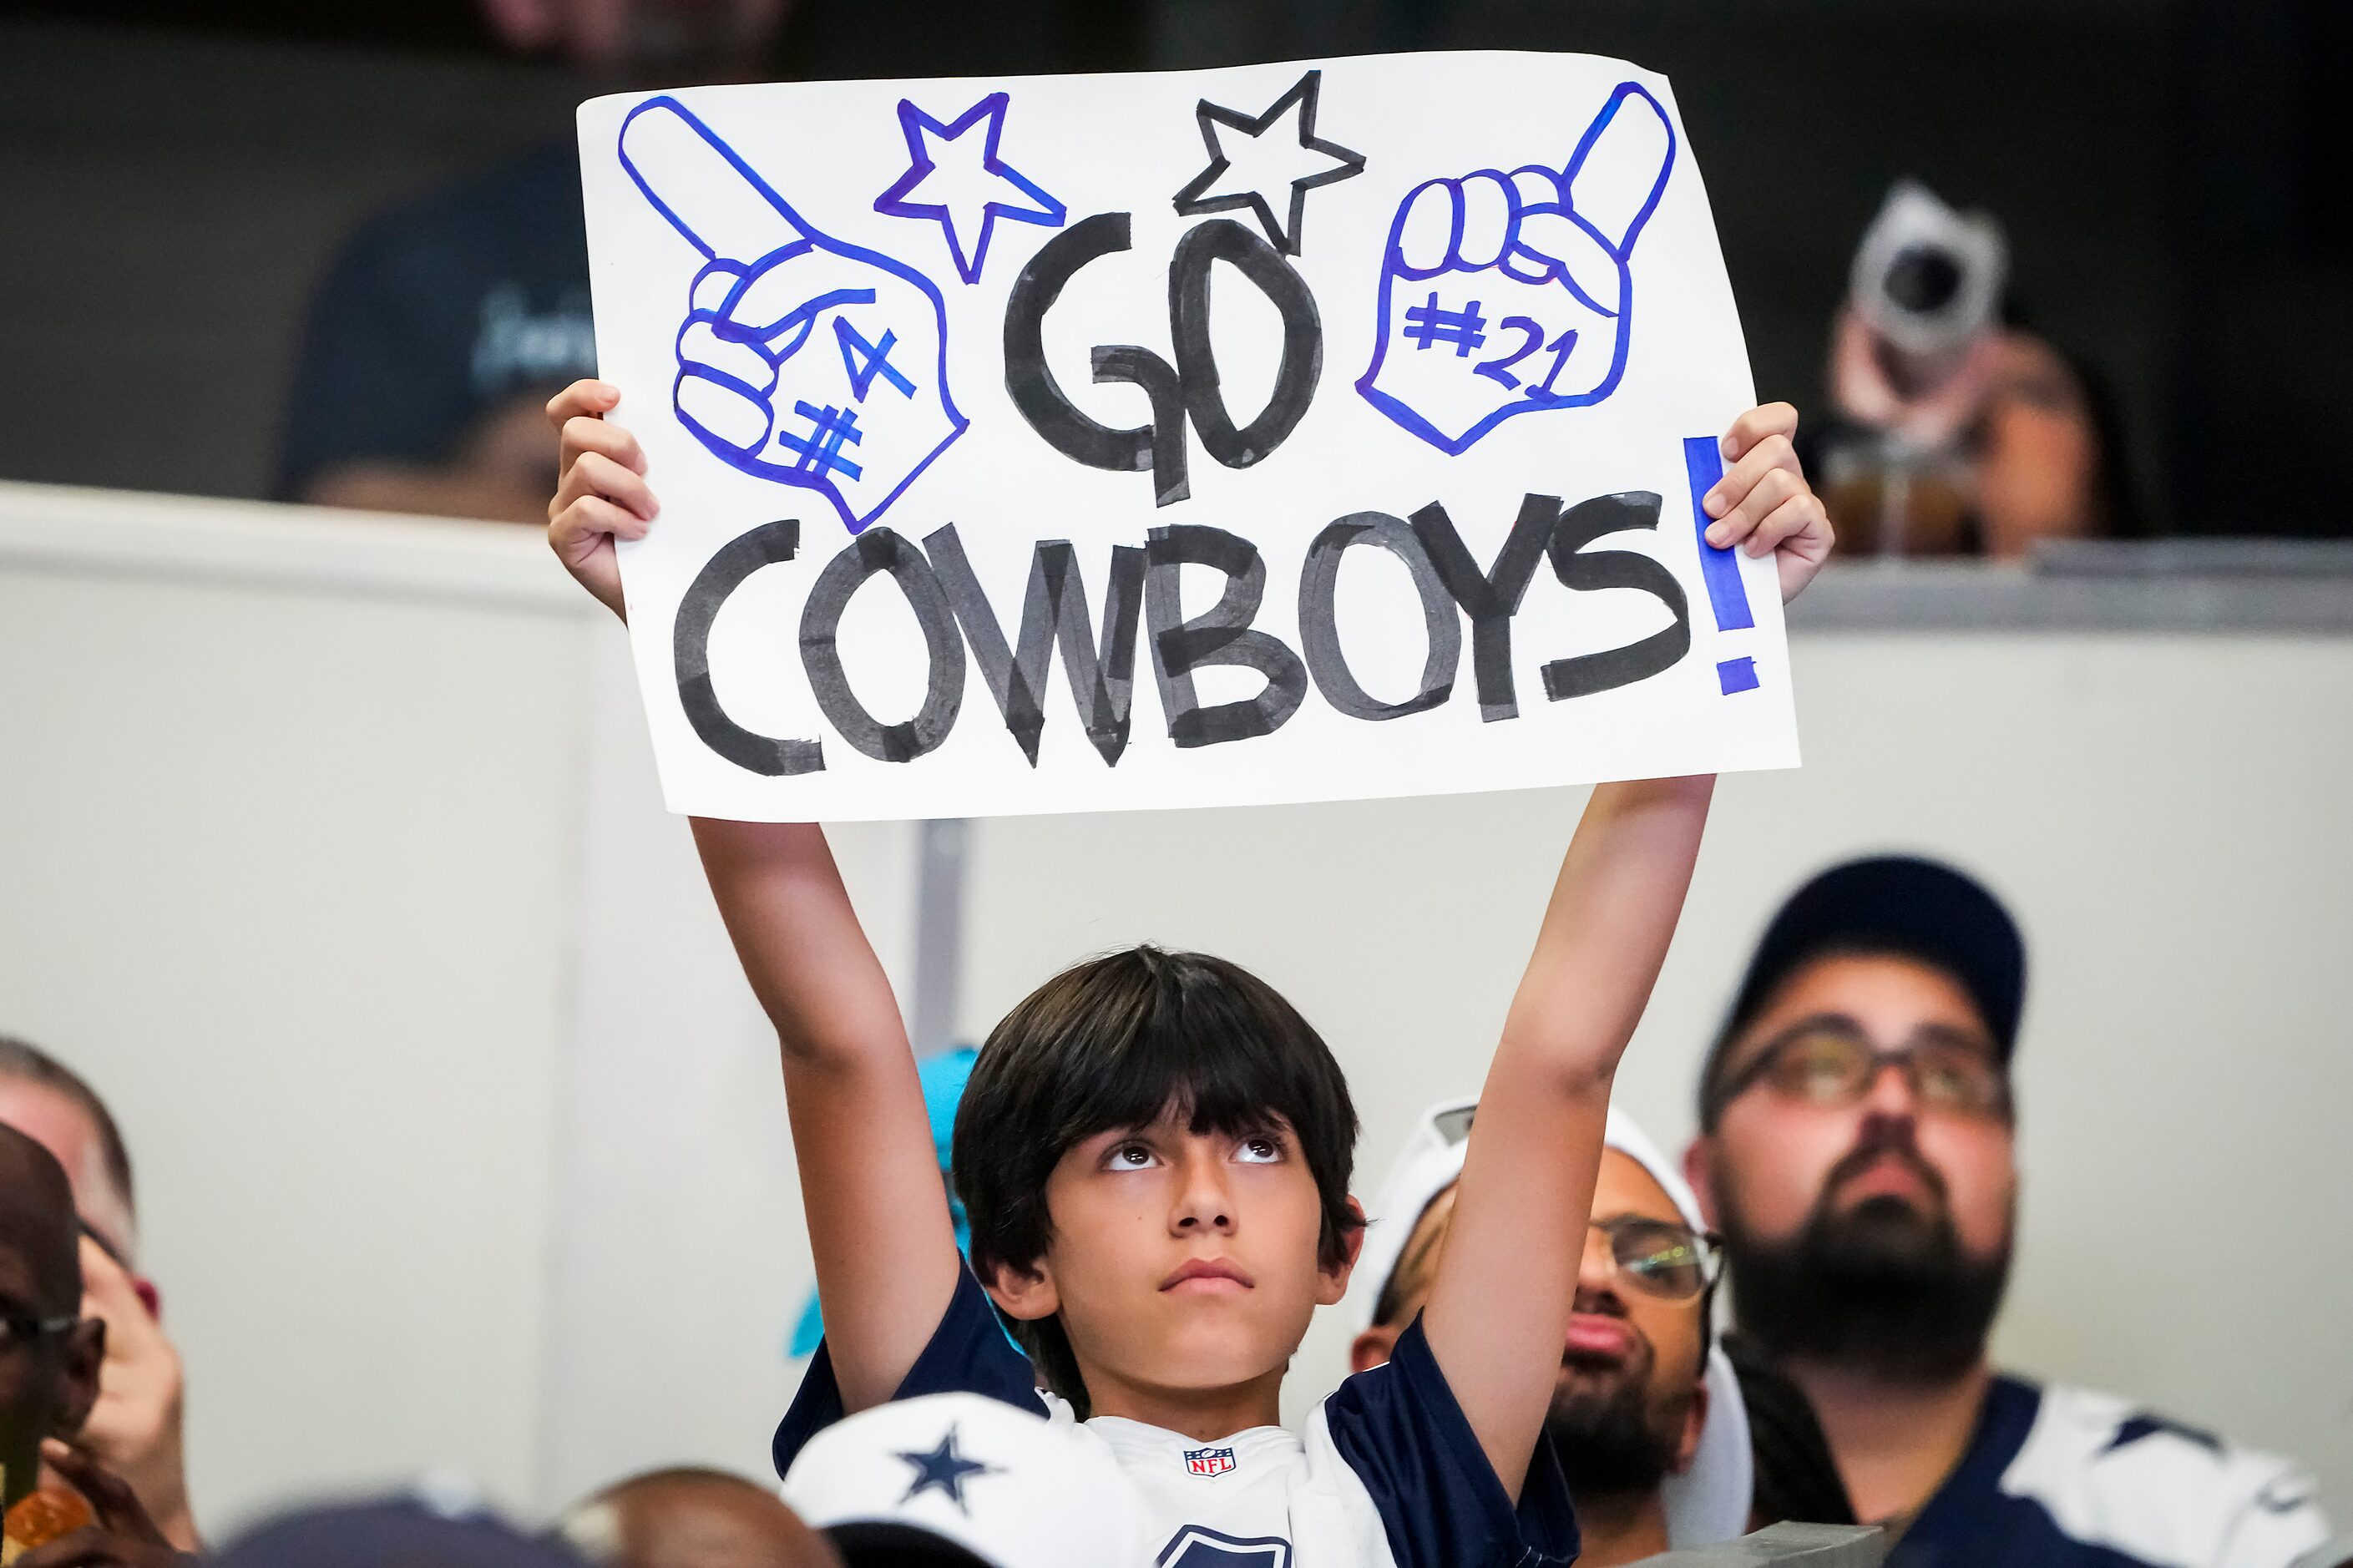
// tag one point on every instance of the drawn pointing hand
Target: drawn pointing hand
(801, 359)
(1505, 294)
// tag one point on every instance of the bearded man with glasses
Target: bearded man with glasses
(1646, 1414)
(1856, 1151)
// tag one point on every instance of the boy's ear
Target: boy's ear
(1027, 1294)
(1699, 1170)
(1335, 1281)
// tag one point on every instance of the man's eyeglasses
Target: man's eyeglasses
(1832, 1065)
(1660, 1257)
(22, 1329)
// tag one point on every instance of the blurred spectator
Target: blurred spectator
(1953, 431)
(1796, 1476)
(1646, 1414)
(1857, 1152)
(447, 324)
(49, 1357)
(395, 1534)
(690, 1518)
(49, 1352)
(135, 1429)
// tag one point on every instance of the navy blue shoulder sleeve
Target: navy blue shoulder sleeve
(967, 1354)
(1400, 1430)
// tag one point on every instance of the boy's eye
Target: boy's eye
(1258, 1151)
(1129, 1157)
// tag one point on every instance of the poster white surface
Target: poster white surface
(1289, 432)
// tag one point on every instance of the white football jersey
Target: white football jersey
(1386, 1474)
(2063, 1478)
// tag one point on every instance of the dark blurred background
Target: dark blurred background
(175, 178)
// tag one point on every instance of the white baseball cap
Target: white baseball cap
(1708, 1503)
(988, 1484)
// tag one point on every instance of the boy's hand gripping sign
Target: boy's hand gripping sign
(1291, 432)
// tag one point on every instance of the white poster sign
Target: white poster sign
(1290, 432)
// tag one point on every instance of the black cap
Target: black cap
(1895, 903)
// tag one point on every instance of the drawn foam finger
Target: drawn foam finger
(1488, 212)
(1423, 245)
(729, 416)
(1620, 167)
(707, 193)
(1567, 251)
(700, 345)
(712, 287)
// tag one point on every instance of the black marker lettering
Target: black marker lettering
(766, 546)
(880, 550)
(1031, 384)
(1582, 524)
(1222, 239)
(1053, 611)
(1319, 631)
(1490, 598)
(1164, 442)
(1222, 635)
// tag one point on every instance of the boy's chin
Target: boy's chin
(1219, 1342)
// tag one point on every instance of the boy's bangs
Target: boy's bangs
(1222, 1076)
(1193, 1038)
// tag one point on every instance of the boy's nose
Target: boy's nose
(1204, 1201)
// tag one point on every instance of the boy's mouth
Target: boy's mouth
(1206, 1275)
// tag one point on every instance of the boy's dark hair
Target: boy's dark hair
(1116, 1042)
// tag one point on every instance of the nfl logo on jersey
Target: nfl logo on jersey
(1208, 1461)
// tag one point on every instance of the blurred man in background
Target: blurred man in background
(436, 339)
(135, 1428)
(1646, 1416)
(1857, 1152)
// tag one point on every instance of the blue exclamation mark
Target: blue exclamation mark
(1719, 569)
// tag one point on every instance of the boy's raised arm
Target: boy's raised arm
(1498, 1311)
(878, 1218)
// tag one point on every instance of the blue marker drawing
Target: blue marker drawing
(967, 233)
(866, 407)
(1719, 570)
(1513, 293)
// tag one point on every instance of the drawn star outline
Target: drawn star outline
(920, 129)
(1197, 198)
(944, 1470)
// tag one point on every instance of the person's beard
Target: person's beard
(1884, 1287)
(1610, 1436)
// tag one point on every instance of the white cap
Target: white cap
(1013, 1490)
(1708, 1503)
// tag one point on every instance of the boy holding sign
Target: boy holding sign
(1155, 1151)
